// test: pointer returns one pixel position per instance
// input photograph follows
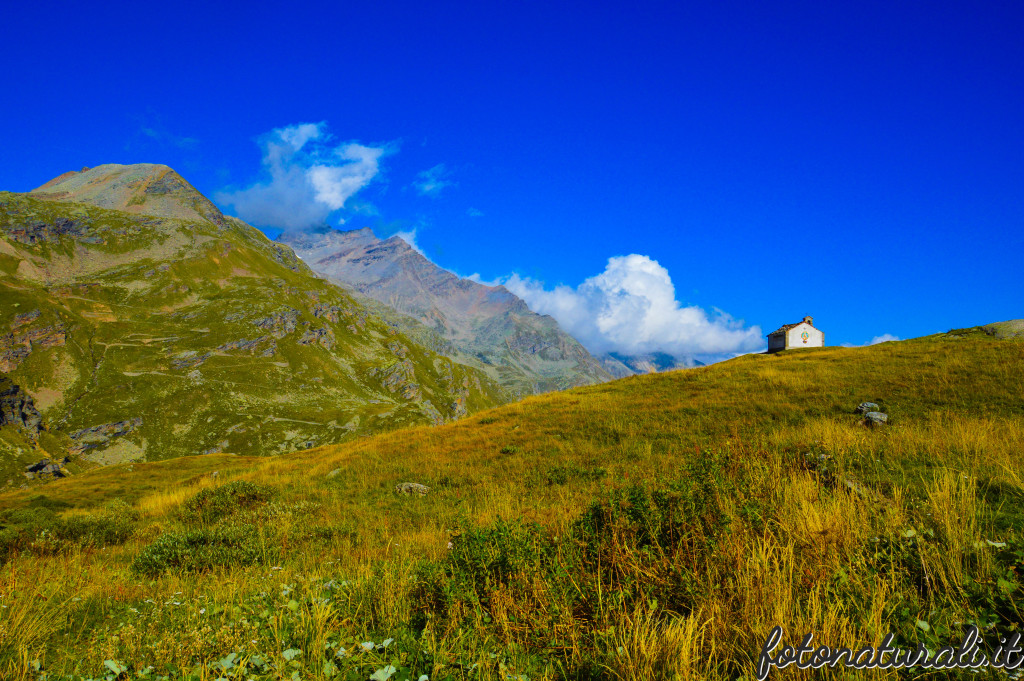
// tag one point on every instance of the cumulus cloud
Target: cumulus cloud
(474, 213)
(307, 176)
(433, 181)
(631, 308)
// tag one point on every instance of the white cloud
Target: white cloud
(474, 213)
(631, 308)
(432, 181)
(307, 177)
(409, 237)
(884, 338)
(297, 135)
(480, 280)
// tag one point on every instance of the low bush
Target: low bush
(115, 524)
(18, 527)
(561, 475)
(202, 549)
(211, 505)
(38, 528)
(480, 561)
(636, 546)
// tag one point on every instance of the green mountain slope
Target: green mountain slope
(149, 336)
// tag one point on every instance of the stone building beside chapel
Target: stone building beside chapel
(799, 335)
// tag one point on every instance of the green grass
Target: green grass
(656, 527)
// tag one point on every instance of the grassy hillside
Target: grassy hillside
(142, 337)
(655, 527)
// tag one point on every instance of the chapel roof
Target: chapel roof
(786, 327)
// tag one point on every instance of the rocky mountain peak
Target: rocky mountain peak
(493, 329)
(142, 188)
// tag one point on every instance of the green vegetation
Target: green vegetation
(655, 527)
(38, 529)
(210, 505)
(142, 338)
(201, 550)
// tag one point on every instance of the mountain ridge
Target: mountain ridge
(142, 188)
(495, 329)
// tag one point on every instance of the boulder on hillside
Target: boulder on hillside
(875, 418)
(412, 488)
(865, 407)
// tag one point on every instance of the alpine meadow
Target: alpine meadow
(533, 341)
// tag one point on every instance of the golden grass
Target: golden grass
(818, 492)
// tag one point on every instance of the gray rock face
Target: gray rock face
(17, 408)
(875, 418)
(100, 435)
(42, 231)
(865, 407)
(45, 467)
(279, 324)
(16, 346)
(412, 488)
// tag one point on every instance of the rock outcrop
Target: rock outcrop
(17, 345)
(875, 418)
(17, 407)
(95, 436)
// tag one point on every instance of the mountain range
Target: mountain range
(142, 323)
(489, 327)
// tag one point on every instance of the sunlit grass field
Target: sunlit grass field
(656, 527)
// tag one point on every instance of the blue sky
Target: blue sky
(859, 162)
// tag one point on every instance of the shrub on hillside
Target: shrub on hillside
(20, 526)
(38, 528)
(210, 505)
(634, 546)
(201, 550)
(480, 561)
(9, 541)
(115, 524)
(572, 472)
